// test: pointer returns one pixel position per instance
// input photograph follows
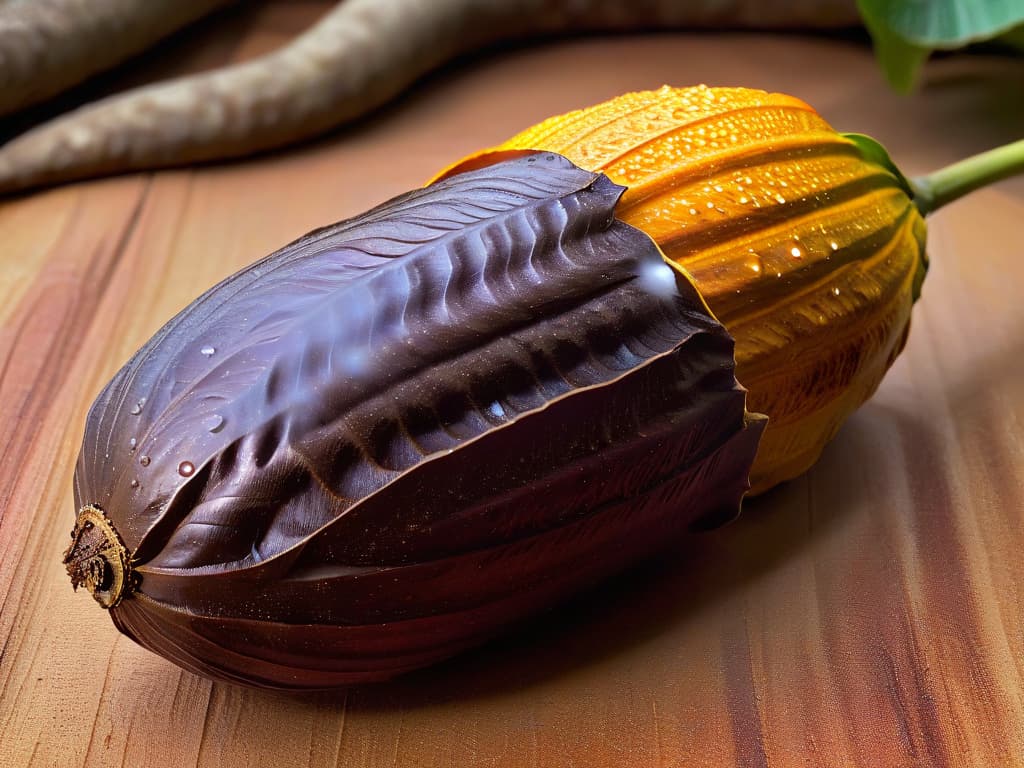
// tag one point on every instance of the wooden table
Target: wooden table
(868, 614)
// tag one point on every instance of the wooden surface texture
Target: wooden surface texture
(867, 614)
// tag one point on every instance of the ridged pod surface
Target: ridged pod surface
(401, 433)
(809, 251)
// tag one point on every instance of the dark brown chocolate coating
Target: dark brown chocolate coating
(401, 433)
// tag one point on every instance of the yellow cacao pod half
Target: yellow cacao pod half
(806, 246)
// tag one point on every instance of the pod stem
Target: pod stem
(947, 184)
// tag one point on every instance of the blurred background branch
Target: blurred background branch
(358, 56)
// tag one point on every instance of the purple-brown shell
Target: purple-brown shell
(401, 433)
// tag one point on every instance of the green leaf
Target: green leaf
(944, 24)
(900, 60)
(875, 153)
(905, 32)
(1014, 38)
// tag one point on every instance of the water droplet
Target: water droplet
(693, 211)
(780, 198)
(835, 291)
(744, 200)
(496, 410)
(132, 443)
(134, 483)
(136, 409)
(796, 252)
(834, 245)
(711, 205)
(144, 460)
(214, 423)
(207, 351)
(186, 468)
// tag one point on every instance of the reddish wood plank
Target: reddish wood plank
(866, 614)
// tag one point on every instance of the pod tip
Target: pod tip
(98, 559)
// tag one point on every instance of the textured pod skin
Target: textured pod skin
(399, 434)
(810, 253)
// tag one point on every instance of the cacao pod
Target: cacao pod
(807, 248)
(401, 433)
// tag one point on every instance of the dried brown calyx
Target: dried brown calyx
(98, 559)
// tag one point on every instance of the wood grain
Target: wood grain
(867, 614)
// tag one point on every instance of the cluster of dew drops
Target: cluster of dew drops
(766, 187)
(214, 423)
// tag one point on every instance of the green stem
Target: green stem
(933, 191)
